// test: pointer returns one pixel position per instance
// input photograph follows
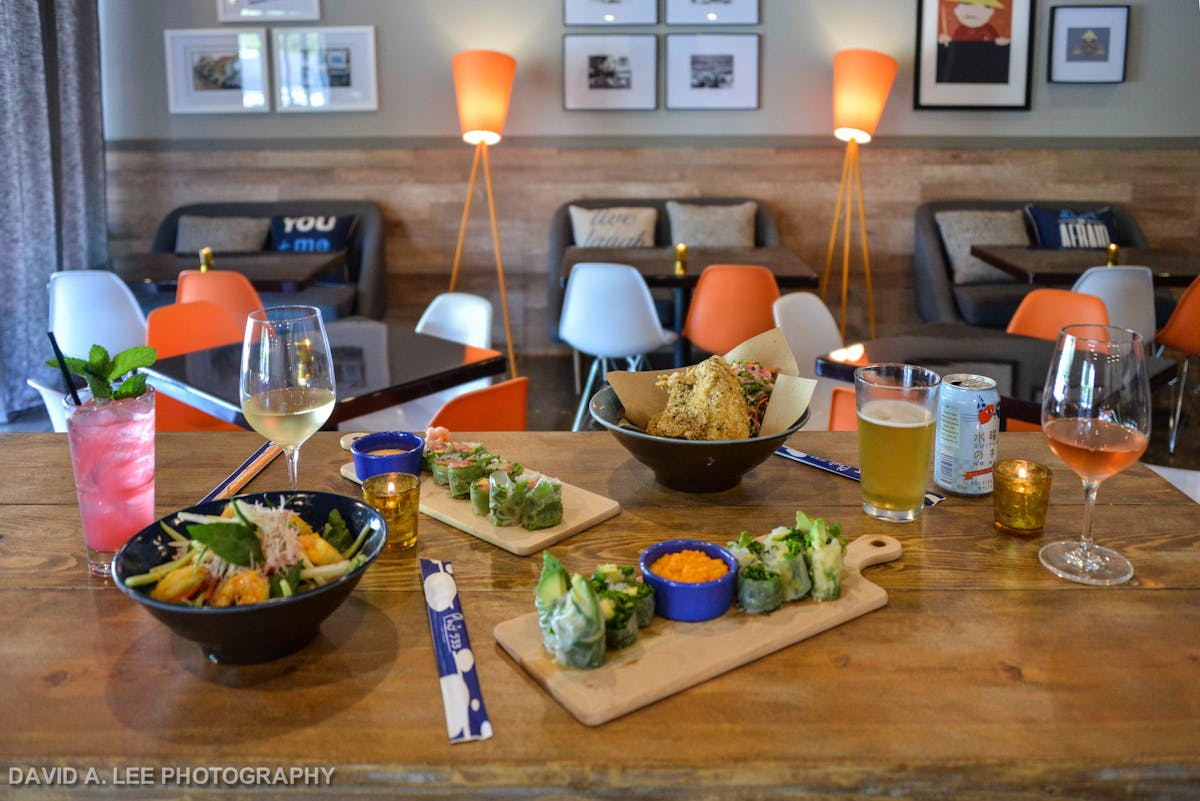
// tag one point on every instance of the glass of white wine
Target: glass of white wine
(287, 387)
(1096, 417)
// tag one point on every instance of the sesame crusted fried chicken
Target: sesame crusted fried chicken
(705, 402)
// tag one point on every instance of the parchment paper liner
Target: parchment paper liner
(642, 398)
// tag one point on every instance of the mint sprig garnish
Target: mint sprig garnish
(103, 374)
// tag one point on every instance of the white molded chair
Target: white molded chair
(811, 331)
(94, 307)
(608, 314)
(456, 316)
(1127, 292)
(54, 404)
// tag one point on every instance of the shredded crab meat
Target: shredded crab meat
(278, 536)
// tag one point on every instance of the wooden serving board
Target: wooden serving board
(581, 510)
(670, 656)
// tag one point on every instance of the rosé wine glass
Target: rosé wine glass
(1096, 417)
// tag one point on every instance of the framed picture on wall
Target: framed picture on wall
(325, 69)
(973, 54)
(610, 72)
(712, 12)
(610, 12)
(216, 71)
(1087, 44)
(268, 10)
(712, 71)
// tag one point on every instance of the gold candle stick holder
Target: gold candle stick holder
(681, 253)
(1022, 492)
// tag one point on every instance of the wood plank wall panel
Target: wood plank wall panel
(421, 192)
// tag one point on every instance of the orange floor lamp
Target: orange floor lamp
(861, 82)
(483, 82)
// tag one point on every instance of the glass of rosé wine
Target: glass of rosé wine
(1096, 417)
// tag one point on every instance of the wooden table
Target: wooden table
(985, 677)
(268, 270)
(1063, 267)
(657, 266)
(376, 365)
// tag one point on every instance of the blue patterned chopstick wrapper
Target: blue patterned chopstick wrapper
(466, 716)
(849, 471)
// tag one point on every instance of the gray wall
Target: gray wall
(416, 39)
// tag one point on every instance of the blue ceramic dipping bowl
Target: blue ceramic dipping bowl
(369, 461)
(690, 601)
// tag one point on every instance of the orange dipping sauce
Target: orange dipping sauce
(689, 566)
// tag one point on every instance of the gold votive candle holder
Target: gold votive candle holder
(1022, 492)
(396, 496)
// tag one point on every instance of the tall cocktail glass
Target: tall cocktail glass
(896, 413)
(112, 457)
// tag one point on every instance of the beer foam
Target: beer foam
(895, 413)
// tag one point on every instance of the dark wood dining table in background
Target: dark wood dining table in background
(376, 365)
(1062, 267)
(657, 266)
(985, 677)
(269, 271)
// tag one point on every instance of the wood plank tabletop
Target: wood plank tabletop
(268, 270)
(985, 676)
(1047, 267)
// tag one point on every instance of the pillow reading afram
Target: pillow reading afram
(1067, 229)
(616, 227)
(222, 234)
(311, 233)
(730, 226)
(963, 228)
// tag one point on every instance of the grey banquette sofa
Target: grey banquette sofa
(991, 303)
(361, 290)
(562, 241)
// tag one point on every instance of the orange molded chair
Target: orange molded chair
(1044, 312)
(500, 407)
(1182, 333)
(843, 412)
(230, 290)
(731, 303)
(182, 328)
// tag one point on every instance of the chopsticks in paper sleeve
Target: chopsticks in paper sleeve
(849, 471)
(466, 717)
(250, 468)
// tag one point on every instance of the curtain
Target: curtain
(52, 203)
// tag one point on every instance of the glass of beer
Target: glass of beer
(897, 408)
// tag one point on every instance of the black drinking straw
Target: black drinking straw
(62, 365)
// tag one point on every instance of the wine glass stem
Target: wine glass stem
(1089, 505)
(293, 464)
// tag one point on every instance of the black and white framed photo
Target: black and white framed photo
(712, 12)
(325, 69)
(973, 54)
(610, 12)
(217, 71)
(268, 10)
(712, 71)
(1088, 44)
(610, 72)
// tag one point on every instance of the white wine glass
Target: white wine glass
(287, 387)
(1096, 417)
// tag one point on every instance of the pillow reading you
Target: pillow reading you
(1064, 228)
(617, 227)
(961, 229)
(713, 226)
(222, 234)
(311, 233)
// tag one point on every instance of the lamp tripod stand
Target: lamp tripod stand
(849, 190)
(481, 154)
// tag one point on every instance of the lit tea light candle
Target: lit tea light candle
(1021, 496)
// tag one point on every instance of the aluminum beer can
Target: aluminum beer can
(968, 428)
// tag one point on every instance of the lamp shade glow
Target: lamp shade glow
(483, 82)
(861, 82)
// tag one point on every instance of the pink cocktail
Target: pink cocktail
(112, 455)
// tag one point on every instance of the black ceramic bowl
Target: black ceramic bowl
(688, 465)
(256, 632)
